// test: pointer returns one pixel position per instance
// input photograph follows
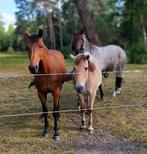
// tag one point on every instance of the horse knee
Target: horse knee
(56, 115)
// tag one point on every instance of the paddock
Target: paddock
(120, 122)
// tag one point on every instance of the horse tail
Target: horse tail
(120, 63)
(68, 76)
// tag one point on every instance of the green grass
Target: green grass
(23, 134)
(13, 62)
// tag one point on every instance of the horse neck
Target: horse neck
(88, 46)
(44, 67)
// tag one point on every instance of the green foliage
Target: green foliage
(6, 38)
(137, 53)
(10, 50)
(117, 22)
(65, 51)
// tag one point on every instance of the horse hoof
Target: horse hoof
(45, 134)
(114, 94)
(56, 138)
(91, 130)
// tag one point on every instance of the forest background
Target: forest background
(121, 22)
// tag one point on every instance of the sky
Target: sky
(7, 11)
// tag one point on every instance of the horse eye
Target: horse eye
(41, 46)
(82, 40)
(86, 68)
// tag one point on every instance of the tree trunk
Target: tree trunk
(143, 31)
(88, 24)
(51, 33)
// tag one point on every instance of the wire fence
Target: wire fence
(74, 110)
(13, 75)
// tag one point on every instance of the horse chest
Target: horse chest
(48, 84)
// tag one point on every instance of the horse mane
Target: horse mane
(92, 66)
(88, 46)
(82, 57)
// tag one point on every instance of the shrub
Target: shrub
(137, 54)
(65, 51)
(10, 50)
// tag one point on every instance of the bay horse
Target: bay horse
(51, 67)
(87, 78)
(110, 57)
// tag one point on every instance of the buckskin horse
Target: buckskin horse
(50, 74)
(110, 57)
(87, 77)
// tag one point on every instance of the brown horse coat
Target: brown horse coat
(50, 69)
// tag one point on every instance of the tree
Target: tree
(3, 37)
(88, 24)
(10, 35)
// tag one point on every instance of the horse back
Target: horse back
(56, 62)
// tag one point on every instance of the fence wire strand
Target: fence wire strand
(2, 75)
(13, 75)
(73, 110)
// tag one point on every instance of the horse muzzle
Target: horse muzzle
(33, 68)
(79, 88)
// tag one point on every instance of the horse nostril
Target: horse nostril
(30, 67)
(79, 88)
(33, 68)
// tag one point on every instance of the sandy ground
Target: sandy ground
(107, 144)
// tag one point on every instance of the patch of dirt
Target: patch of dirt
(107, 144)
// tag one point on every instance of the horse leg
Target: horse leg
(119, 84)
(91, 101)
(101, 92)
(43, 98)
(81, 102)
(118, 81)
(78, 102)
(56, 114)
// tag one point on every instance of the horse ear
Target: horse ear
(87, 57)
(72, 56)
(82, 31)
(40, 33)
(27, 34)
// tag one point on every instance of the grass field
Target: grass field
(112, 125)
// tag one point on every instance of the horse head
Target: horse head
(35, 52)
(78, 42)
(82, 66)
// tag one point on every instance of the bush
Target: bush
(137, 54)
(65, 52)
(10, 50)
